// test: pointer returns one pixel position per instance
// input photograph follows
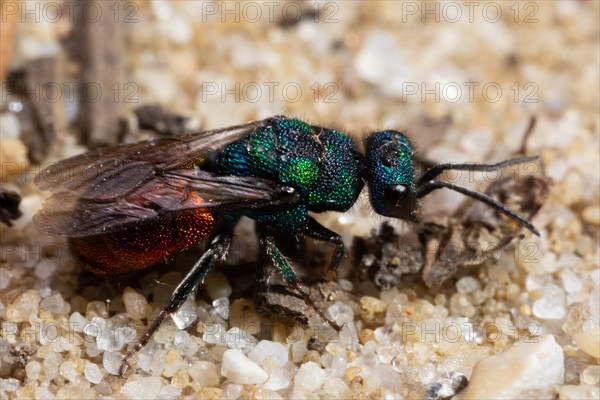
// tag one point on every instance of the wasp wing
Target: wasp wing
(108, 173)
(172, 193)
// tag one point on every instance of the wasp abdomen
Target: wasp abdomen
(142, 247)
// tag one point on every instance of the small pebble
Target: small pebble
(23, 306)
(336, 388)
(214, 334)
(345, 284)
(526, 370)
(204, 373)
(240, 369)
(169, 392)
(43, 393)
(366, 335)
(45, 269)
(136, 305)
(184, 343)
(9, 126)
(10, 384)
(552, 303)
(467, 284)
(239, 339)
(96, 309)
(77, 322)
(92, 373)
(371, 308)
(210, 393)
(186, 315)
(143, 388)
(571, 282)
(309, 378)
(68, 370)
(265, 350)
(111, 362)
(281, 377)
(576, 317)
(166, 333)
(5, 277)
(243, 315)
(55, 304)
(298, 350)
(461, 305)
(115, 339)
(589, 341)
(591, 375)
(579, 392)
(591, 215)
(341, 313)
(221, 307)
(33, 369)
(234, 391)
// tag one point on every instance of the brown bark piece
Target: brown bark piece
(99, 47)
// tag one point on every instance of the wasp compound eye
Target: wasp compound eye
(400, 202)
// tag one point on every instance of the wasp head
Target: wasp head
(390, 175)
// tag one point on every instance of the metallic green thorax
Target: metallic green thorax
(322, 164)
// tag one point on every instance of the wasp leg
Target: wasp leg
(283, 265)
(317, 231)
(219, 247)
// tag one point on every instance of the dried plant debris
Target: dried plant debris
(475, 233)
(305, 12)
(98, 45)
(386, 256)
(9, 206)
(272, 295)
(448, 387)
(161, 121)
(448, 244)
(42, 118)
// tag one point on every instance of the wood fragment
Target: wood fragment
(99, 47)
(37, 86)
(47, 101)
(159, 120)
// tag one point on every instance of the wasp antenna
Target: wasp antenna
(430, 186)
(438, 169)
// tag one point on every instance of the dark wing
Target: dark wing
(108, 173)
(175, 192)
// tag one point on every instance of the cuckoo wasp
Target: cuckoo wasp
(134, 205)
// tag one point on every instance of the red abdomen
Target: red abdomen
(143, 245)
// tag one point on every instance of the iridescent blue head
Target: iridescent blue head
(390, 175)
